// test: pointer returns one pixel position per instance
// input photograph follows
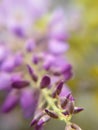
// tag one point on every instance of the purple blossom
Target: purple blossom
(57, 47)
(20, 15)
(37, 72)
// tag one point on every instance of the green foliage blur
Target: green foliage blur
(84, 57)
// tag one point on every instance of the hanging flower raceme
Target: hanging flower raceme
(35, 77)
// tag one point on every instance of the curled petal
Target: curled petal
(32, 74)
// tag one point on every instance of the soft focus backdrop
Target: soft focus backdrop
(82, 23)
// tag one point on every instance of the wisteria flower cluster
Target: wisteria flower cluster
(35, 74)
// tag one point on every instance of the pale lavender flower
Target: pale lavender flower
(57, 26)
(57, 47)
(20, 15)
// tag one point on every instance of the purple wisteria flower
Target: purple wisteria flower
(35, 73)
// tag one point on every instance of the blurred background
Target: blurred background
(82, 20)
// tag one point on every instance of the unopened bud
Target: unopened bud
(36, 118)
(32, 74)
(20, 84)
(45, 82)
(43, 120)
(70, 107)
(78, 109)
(51, 113)
(58, 89)
(64, 102)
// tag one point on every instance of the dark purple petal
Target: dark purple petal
(32, 74)
(45, 82)
(58, 89)
(10, 101)
(78, 109)
(37, 116)
(20, 84)
(64, 102)
(51, 113)
(70, 107)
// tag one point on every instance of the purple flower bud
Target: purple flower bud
(37, 116)
(58, 89)
(45, 82)
(32, 74)
(64, 102)
(78, 109)
(70, 107)
(51, 113)
(43, 120)
(10, 101)
(20, 84)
